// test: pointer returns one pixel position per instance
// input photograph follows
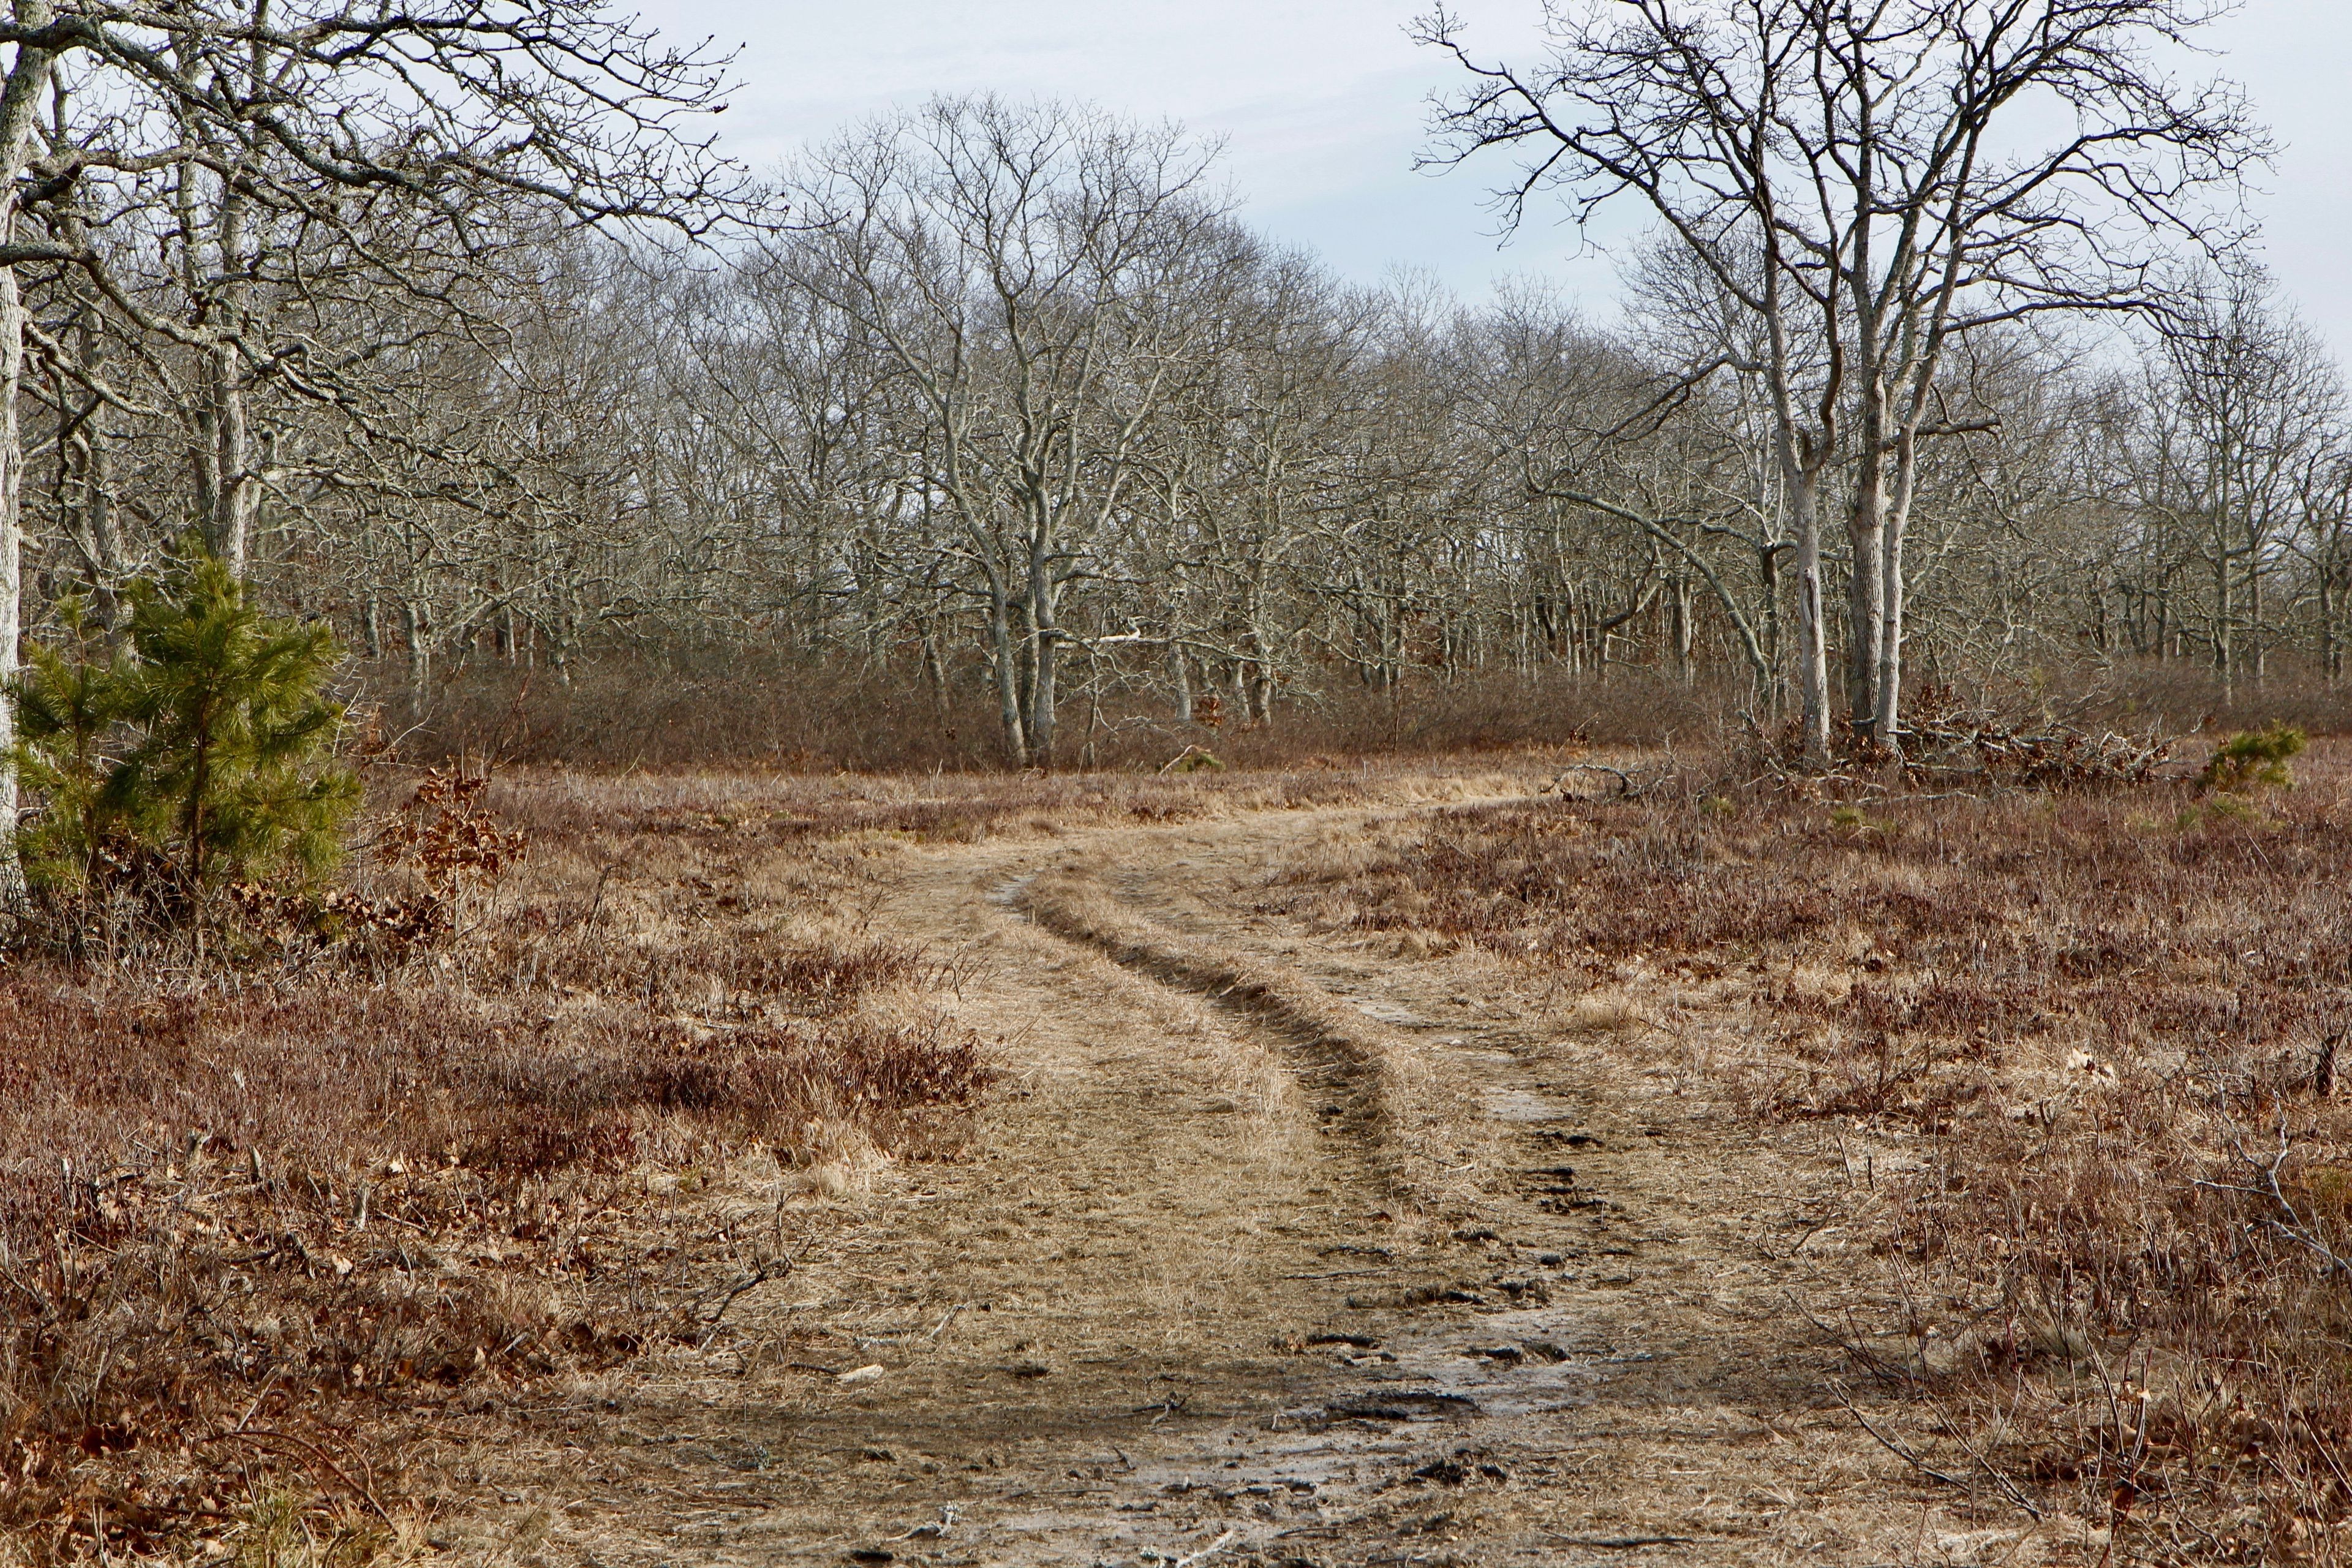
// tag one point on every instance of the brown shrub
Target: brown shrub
(741, 706)
(262, 1216)
(2148, 1271)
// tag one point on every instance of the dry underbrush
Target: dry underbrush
(2084, 1045)
(265, 1228)
(743, 707)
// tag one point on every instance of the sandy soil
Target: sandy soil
(1187, 1301)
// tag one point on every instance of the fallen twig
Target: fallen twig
(1900, 1449)
(1905, 1452)
(767, 1269)
(1211, 1549)
(261, 1438)
(1629, 787)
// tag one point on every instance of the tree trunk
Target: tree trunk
(105, 531)
(2327, 655)
(1042, 699)
(1008, 678)
(1182, 675)
(935, 674)
(1258, 700)
(1887, 723)
(1812, 658)
(1678, 605)
(1866, 587)
(12, 555)
(1046, 662)
(420, 647)
(233, 510)
(28, 81)
(2224, 610)
(2257, 656)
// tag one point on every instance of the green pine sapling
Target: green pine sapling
(201, 748)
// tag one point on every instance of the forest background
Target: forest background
(988, 434)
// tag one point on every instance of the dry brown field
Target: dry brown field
(1446, 1161)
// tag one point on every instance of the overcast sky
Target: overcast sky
(1320, 105)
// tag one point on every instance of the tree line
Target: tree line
(450, 325)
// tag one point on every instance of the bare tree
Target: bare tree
(2246, 410)
(1024, 267)
(1836, 167)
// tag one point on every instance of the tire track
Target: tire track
(1505, 1297)
(1374, 1088)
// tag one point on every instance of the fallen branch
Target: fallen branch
(2292, 1227)
(1192, 759)
(1211, 1549)
(2063, 756)
(1629, 786)
(725, 1294)
(261, 1438)
(1904, 1451)
(1886, 797)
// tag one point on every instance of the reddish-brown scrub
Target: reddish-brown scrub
(261, 1218)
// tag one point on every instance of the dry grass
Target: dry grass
(725, 707)
(838, 815)
(307, 1221)
(258, 1229)
(2084, 1047)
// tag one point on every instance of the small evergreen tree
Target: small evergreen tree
(71, 699)
(200, 753)
(231, 775)
(2255, 759)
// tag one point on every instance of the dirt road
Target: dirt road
(1470, 1282)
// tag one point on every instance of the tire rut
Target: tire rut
(1354, 1076)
